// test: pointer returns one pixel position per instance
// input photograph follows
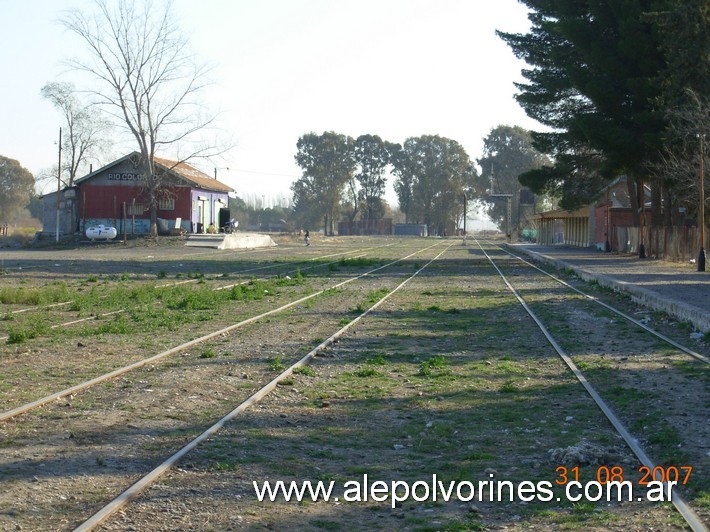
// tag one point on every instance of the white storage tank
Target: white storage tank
(101, 232)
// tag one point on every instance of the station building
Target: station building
(608, 225)
(115, 196)
(608, 219)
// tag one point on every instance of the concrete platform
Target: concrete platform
(677, 289)
(230, 241)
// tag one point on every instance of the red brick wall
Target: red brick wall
(106, 201)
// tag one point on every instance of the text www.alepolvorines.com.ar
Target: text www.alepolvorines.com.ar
(398, 491)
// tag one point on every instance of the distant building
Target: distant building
(411, 230)
(115, 196)
(607, 219)
(382, 226)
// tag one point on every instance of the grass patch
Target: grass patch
(19, 334)
(208, 353)
(305, 370)
(366, 372)
(377, 360)
(276, 364)
(508, 387)
(428, 367)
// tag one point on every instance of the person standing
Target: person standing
(307, 238)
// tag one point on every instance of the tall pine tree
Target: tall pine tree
(595, 80)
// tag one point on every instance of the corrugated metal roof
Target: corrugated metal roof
(193, 175)
(190, 174)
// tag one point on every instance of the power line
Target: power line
(263, 173)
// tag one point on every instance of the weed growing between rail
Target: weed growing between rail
(446, 378)
(53, 293)
(606, 348)
(148, 308)
(438, 385)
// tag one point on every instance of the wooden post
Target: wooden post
(83, 216)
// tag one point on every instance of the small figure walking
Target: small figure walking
(307, 238)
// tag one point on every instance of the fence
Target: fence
(678, 244)
(4, 229)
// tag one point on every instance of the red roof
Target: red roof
(192, 175)
(181, 169)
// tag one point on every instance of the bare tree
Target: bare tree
(146, 78)
(85, 132)
(679, 165)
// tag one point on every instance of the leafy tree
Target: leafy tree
(239, 210)
(145, 78)
(686, 84)
(595, 80)
(372, 155)
(403, 169)
(327, 163)
(16, 188)
(433, 173)
(508, 152)
(685, 41)
(36, 206)
(84, 136)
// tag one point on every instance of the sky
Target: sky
(284, 68)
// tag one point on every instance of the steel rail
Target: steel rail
(663, 337)
(125, 369)
(686, 511)
(144, 482)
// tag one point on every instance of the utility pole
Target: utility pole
(701, 255)
(509, 200)
(59, 181)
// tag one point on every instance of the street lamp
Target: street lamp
(701, 255)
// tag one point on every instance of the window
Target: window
(166, 204)
(136, 208)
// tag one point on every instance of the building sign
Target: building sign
(125, 177)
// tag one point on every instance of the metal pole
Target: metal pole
(701, 255)
(509, 221)
(642, 195)
(607, 244)
(464, 219)
(59, 181)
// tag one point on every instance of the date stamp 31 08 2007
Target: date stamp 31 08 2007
(658, 482)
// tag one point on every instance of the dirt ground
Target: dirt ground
(449, 377)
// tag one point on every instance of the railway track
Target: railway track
(37, 403)
(588, 427)
(631, 319)
(691, 518)
(45, 417)
(100, 441)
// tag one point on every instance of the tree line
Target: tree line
(433, 177)
(622, 87)
(346, 177)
